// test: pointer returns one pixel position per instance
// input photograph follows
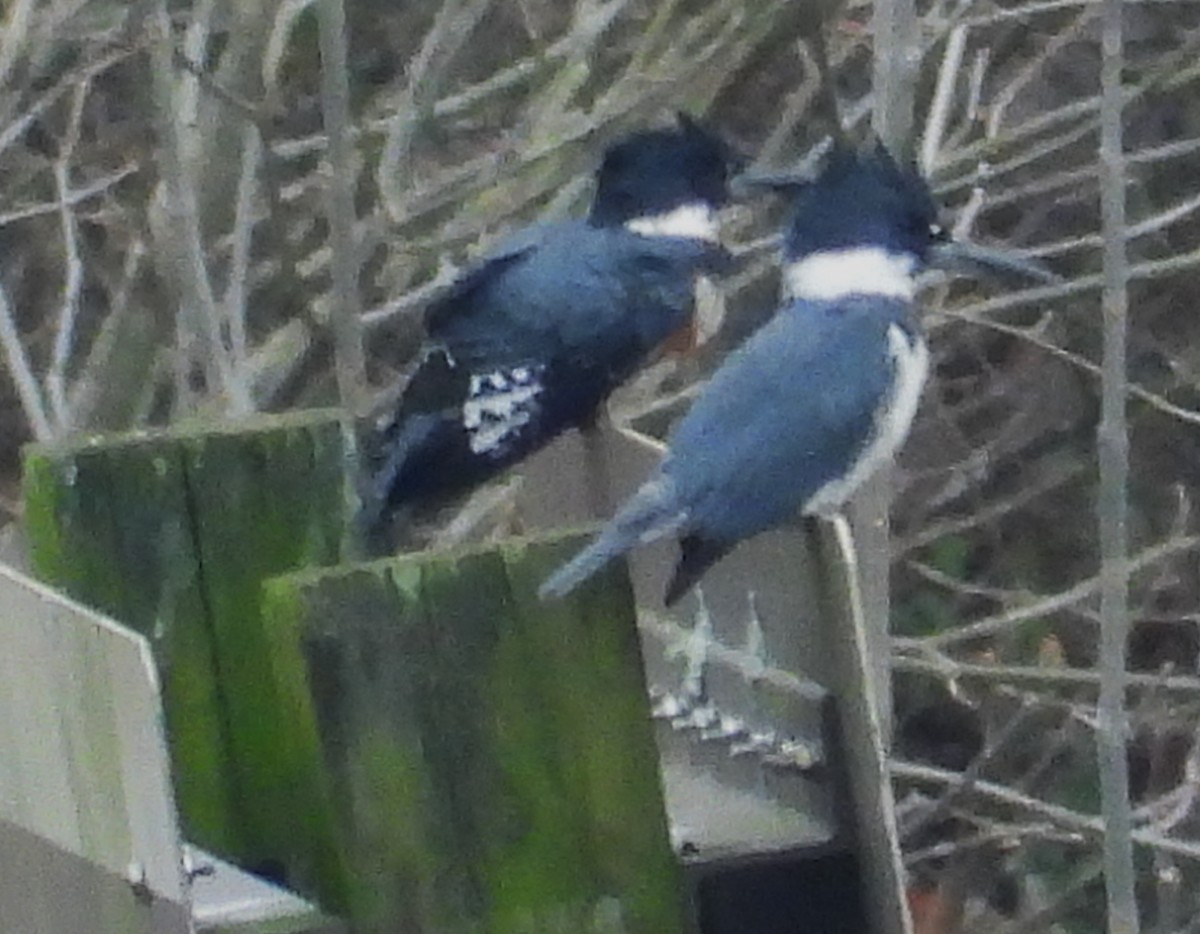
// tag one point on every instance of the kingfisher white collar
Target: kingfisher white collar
(695, 221)
(833, 274)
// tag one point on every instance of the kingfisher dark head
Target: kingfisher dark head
(866, 224)
(863, 200)
(679, 175)
(861, 225)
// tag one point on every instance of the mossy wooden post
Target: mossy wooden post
(172, 534)
(489, 758)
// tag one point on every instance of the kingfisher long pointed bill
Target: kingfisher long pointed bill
(822, 395)
(531, 340)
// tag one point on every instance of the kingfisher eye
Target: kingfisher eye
(938, 232)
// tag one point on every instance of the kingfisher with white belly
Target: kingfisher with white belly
(531, 341)
(817, 399)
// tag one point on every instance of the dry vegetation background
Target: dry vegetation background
(469, 116)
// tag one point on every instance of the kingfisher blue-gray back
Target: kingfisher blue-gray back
(531, 340)
(821, 396)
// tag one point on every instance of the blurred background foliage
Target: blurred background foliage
(472, 116)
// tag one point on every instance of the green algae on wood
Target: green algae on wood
(489, 758)
(172, 533)
(107, 525)
(260, 504)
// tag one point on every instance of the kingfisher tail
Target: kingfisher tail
(696, 555)
(651, 513)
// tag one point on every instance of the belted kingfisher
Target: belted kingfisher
(531, 341)
(799, 416)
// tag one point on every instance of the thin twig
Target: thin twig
(64, 337)
(28, 390)
(74, 197)
(1052, 603)
(946, 668)
(1153, 399)
(1065, 817)
(972, 774)
(943, 98)
(452, 26)
(1031, 490)
(93, 379)
(15, 34)
(1032, 68)
(16, 130)
(287, 15)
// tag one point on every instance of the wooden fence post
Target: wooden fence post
(489, 758)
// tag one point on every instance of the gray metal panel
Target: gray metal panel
(46, 890)
(88, 832)
(87, 821)
(84, 762)
(227, 900)
(744, 762)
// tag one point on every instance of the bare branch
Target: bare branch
(64, 337)
(198, 307)
(451, 28)
(1112, 441)
(1154, 400)
(1029, 491)
(287, 14)
(335, 100)
(95, 376)
(20, 126)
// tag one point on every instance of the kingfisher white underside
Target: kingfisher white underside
(910, 358)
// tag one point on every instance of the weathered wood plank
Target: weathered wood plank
(489, 759)
(172, 533)
(106, 526)
(259, 503)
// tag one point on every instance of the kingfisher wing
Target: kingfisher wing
(461, 298)
(789, 412)
(528, 344)
(591, 294)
